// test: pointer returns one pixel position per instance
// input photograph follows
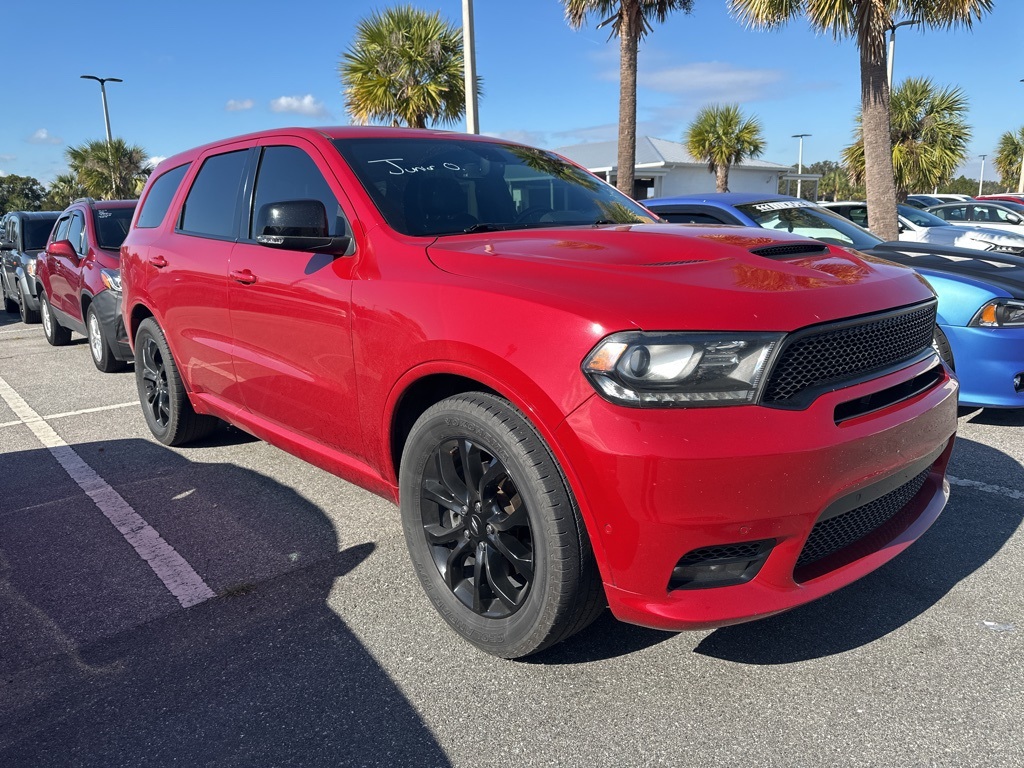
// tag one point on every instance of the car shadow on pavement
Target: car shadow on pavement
(100, 665)
(969, 532)
(998, 417)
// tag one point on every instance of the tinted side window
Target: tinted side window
(61, 232)
(691, 218)
(76, 233)
(212, 202)
(159, 198)
(288, 173)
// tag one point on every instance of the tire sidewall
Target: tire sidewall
(103, 361)
(513, 635)
(49, 323)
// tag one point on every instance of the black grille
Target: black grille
(795, 249)
(842, 352)
(744, 551)
(830, 536)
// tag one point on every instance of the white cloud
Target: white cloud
(299, 105)
(42, 136)
(154, 161)
(7, 158)
(713, 80)
(238, 105)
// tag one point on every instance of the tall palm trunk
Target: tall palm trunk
(877, 132)
(629, 36)
(722, 178)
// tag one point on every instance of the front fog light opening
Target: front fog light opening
(1018, 382)
(724, 565)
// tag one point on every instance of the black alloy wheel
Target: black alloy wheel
(165, 404)
(493, 530)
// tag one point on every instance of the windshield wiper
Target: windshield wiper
(486, 227)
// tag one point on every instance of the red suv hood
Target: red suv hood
(668, 276)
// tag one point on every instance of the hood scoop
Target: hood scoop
(786, 250)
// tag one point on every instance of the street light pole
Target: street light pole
(1020, 184)
(981, 176)
(800, 162)
(469, 57)
(106, 124)
(892, 44)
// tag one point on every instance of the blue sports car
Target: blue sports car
(980, 331)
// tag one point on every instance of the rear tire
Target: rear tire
(102, 353)
(165, 404)
(55, 333)
(492, 528)
(10, 304)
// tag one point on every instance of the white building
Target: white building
(664, 168)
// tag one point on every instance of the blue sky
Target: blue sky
(199, 71)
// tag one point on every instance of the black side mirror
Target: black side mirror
(298, 225)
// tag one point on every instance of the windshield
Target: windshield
(919, 217)
(37, 232)
(425, 186)
(112, 226)
(803, 218)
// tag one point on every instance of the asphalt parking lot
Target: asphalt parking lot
(228, 604)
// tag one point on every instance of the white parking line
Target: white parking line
(998, 489)
(171, 568)
(64, 415)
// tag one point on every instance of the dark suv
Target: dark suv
(22, 236)
(79, 279)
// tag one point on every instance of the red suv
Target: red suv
(79, 280)
(574, 404)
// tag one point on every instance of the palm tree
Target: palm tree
(722, 137)
(867, 21)
(1009, 154)
(109, 171)
(929, 137)
(631, 20)
(405, 66)
(62, 190)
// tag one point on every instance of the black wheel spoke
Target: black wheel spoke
(472, 466)
(517, 555)
(454, 563)
(508, 593)
(517, 518)
(439, 536)
(478, 578)
(449, 475)
(494, 473)
(443, 496)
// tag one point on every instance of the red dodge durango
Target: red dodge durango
(574, 404)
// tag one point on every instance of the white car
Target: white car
(978, 213)
(922, 227)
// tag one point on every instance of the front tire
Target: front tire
(165, 403)
(28, 316)
(493, 531)
(55, 333)
(99, 347)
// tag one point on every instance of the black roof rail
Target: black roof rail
(86, 200)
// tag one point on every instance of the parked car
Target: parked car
(570, 402)
(919, 226)
(79, 282)
(1007, 196)
(991, 215)
(980, 330)
(923, 201)
(950, 197)
(22, 236)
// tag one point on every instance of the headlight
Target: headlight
(112, 279)
(1000, 313)
(30, 267)
(658, 370)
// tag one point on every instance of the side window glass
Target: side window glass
(76, 233)
(212, 202)
(288, 173)
(158, 200)
(61, 231)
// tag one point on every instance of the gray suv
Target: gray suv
(23, 235)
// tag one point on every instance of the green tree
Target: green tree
(867, 22)
(405, 66)
(62, 190)
(722, 137)
(630, 20)
(109, 172)
(1009, 154)
(929, 137)
(20, 193)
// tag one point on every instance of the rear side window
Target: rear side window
(212, 204)
(76, 233)
(159, 198)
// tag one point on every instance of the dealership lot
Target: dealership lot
(308, 640)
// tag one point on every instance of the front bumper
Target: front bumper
(987, 360)
(108, 310)
(655, 485)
